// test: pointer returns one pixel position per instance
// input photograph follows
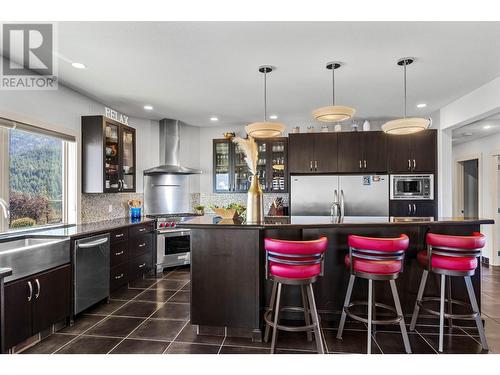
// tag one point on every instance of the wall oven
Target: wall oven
(412, 186)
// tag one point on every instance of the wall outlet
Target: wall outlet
(110, 208)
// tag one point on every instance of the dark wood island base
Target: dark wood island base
(228, 286)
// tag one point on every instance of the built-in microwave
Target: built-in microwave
(412, 186)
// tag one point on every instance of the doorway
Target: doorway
(467, 189)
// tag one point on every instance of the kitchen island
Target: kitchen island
(228, 284)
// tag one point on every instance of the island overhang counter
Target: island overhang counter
(229, 289)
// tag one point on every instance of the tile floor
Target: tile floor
(152, 316)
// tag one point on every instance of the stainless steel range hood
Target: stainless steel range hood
(169, 151)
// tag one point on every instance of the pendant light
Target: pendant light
(333, 113)
(406, 125)
(265, 129)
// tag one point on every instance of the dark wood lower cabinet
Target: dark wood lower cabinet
(29, 310)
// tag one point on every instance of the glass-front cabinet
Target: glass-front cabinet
(231, 172)
(109, 144)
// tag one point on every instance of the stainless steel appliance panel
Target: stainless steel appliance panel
(412, 186)
(173, 248)
(312, 195)
(166, 194)
(91, 271)
(364, 195)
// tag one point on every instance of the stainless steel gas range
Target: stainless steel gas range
(173, 245)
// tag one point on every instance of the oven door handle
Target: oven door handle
(174, 234)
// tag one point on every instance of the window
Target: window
(36, 177)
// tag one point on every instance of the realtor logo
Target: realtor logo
(28, 57)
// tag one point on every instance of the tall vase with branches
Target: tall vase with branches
(255, 197)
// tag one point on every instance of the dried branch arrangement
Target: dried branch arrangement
(249, 147)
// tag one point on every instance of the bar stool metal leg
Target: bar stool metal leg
(399, 311)
(271, 307)
(420, 294)
(315, 319)
(346, 303)
(374, 307)
(370, 301)
(450, 304)
(475, 309)
(276, 319)
(441, 312)
(307, 313)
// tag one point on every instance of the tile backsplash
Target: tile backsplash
(95, 207)
(224, 199)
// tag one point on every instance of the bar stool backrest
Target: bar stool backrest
(295, 253)
(376, 249)
(454, 246)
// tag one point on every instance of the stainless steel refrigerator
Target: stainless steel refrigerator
(360, 195)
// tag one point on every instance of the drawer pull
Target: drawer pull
(142, 265)
(119, 276)
(119, 253)
(142, 229)
(142, 244)
(119, 235)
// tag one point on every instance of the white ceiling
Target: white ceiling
(475, 130)
(194, 70)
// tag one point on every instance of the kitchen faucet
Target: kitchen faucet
(5, 208)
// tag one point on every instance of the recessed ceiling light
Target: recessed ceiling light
(78, 65)
(467, 134)
(486, 126)
(148, 107)
(273, 117)
(213, 119)
(421, 105)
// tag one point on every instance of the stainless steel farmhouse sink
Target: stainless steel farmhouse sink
(31, 254)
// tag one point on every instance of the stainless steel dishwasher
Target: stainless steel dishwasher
(91, 271)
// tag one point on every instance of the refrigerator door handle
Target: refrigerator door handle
(311, 165)
(341, 203)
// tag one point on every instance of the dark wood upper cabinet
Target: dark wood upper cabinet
(313, 153)
(108, 156)
(374, 151)
(350, 152)
(230, 172)
(412, 153)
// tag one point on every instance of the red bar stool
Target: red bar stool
(294, 263)
(450, 256)
(375, 259)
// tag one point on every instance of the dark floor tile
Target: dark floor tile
(295, 340)
(392, 343)
(177, 275)
(50, 344)
(154, 295)
(294, 351)
(125, 294)
(434, 330)
(159, 329)
(141, 283)
(455, 344)
(241, 341)
(242, 350)
(186, 287)
(138, 309)
(182, 297)
(115, 327)
(89, 345)
(169, 284)
(105, 308)
(82, 323)
(173, 311)
(191, 348)
(130, 346)
(491, 309)
(351, 342)
(327, 322)
(188, 334)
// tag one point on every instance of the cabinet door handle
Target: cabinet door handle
(409, 208)
(142, 244)
(414, 164)
(311, 165)
(38, 288)
(365, 164)
(360, 164)
(119, 276)
(119, 235)
(414, 208)
(409, 164)
(142, 265)
(142, 229)
(119, 253)
(30, 286)
(315, 165)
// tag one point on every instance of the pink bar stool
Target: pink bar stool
(450, 256)
(294, 263)
(375, 259)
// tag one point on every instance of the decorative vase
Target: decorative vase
(255, 202)
(366, 126)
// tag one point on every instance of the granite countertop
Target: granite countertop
(327, 221)
(79, 229)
